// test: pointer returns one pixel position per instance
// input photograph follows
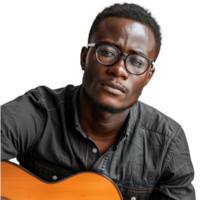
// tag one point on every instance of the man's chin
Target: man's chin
(101, 106)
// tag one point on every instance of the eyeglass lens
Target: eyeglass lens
(108, 55)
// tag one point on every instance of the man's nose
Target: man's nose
(119, 69)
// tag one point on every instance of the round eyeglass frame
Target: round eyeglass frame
(97, 45)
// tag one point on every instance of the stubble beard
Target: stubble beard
(96, 105)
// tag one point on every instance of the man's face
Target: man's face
(113, 86)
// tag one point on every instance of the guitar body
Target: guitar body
(18, 184)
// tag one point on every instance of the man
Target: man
(101, 126)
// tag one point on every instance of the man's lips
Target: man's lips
(113, 87)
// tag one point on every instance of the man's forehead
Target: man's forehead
(117, 28)
(122, 26)
(126, 31)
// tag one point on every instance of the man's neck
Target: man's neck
(101, 125)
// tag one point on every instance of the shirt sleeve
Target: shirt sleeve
(21, 123)
(175, 183)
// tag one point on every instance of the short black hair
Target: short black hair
(130, 11)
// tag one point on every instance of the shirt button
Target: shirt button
(133, 198)
(54, 178)
(94, 150)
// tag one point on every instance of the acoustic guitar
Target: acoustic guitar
(19, 184)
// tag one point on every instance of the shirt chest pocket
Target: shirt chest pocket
(50, 172)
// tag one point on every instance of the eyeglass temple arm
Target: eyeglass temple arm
(91, 45)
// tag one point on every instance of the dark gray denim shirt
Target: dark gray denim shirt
(150, 159)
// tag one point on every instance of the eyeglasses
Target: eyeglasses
(108, 54)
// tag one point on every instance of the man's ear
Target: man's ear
(84, 52)
(151, 73)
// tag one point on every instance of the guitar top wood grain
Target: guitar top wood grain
(18, 184)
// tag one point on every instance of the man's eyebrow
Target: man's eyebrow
(107, 42)
(132, 51)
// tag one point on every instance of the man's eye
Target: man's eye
(136, 63)
(107, 53)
